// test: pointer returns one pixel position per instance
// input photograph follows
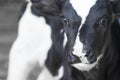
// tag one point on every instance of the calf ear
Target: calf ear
(60, 3)
(52, 6)
(48, 6)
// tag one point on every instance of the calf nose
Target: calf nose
(73, 59)
(89, 54)
(84, 41)
(91, 57)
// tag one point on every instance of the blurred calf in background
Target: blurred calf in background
(36, 27)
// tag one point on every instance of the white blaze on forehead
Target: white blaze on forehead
(82, 8)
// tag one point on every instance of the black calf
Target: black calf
(101, 38)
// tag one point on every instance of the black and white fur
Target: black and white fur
(34, 38)
(82, 7)
(40, 41)
(107, 64)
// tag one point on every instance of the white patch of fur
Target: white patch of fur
(65, 37)
(60, 72)
(30, 47)
(65, 40)
(78, 47)
(46, 75)
(61, 31)
(78, 51)
(82, 7)
(87, 67)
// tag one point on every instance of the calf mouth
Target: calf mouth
(86, 61)
(87, 57)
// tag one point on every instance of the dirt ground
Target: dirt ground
(8, 32)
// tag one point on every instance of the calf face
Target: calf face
(91, 33)
(82, 11)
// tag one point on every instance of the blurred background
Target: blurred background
(9, 12)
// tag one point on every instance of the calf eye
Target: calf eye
(64, 20)
(102, 23)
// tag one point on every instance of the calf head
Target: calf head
(95, 31)
(63, 10)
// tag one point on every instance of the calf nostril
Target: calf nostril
(87, 53)
(73, 59)
(91, 57)
(84, 42)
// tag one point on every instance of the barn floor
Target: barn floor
(8, 32)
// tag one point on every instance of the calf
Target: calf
(100, 43)
(40, 40)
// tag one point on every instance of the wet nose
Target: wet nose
(91, 57)
(89, 54)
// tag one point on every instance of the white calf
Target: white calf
(30, 48)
